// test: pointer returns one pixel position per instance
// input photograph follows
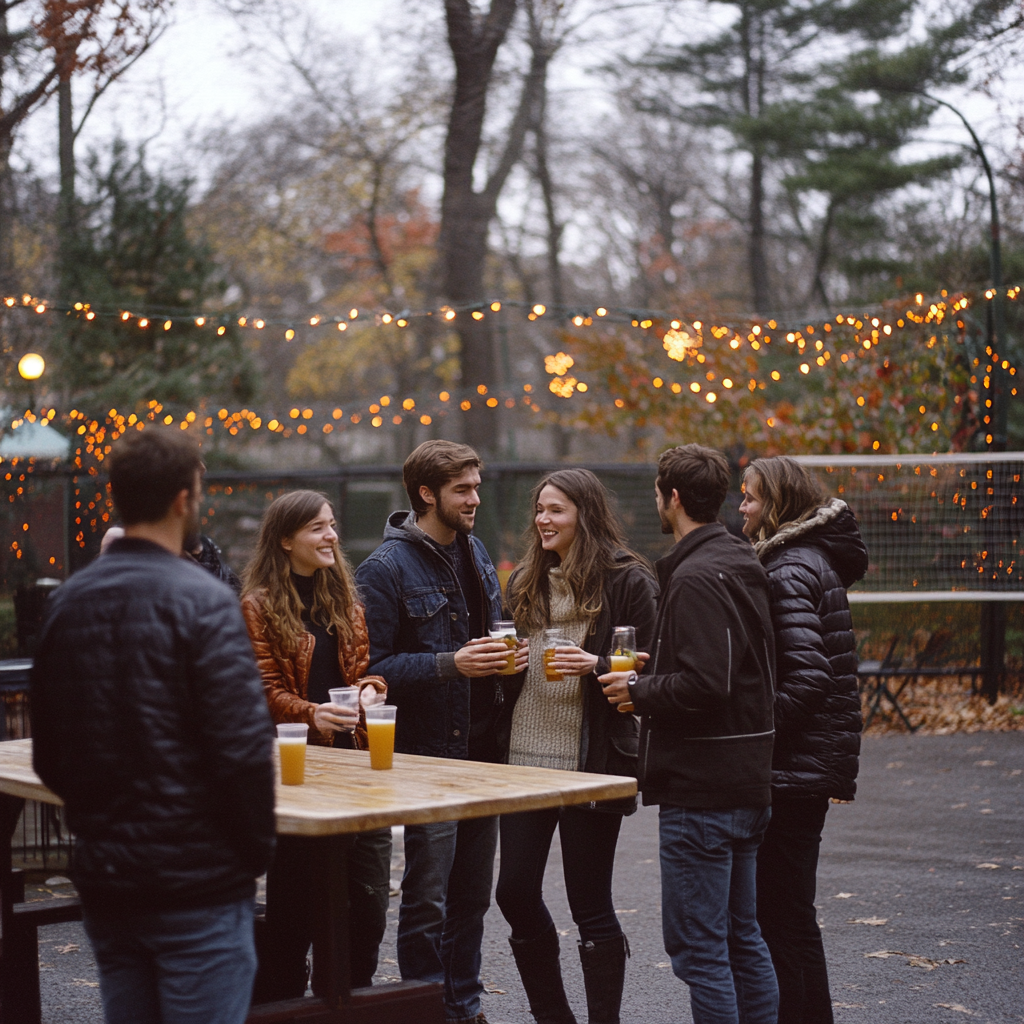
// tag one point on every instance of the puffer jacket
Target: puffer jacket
(286, 677)
(418, 620)
(817, 707)
(609, 738)
(148, 720)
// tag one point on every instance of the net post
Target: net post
(993, 648)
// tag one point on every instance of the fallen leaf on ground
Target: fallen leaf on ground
(849, 1006)
(955, 1006)
(625, 911)
(843, 895)
(913, 960)
(84, 982)
(868, 920)
(494, 991)
(662, 966)
(991, 867)
(71, 947)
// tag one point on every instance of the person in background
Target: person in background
(431, 595)
(812, 551)
(211, 558)
(308, 630)
(577, 575)
(705, 708)
(149, 722)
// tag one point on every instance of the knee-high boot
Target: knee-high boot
(537, 960)
(604, 972)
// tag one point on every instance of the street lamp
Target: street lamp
(31, 366)
(995, 418)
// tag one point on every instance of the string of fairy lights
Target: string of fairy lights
(683, 340)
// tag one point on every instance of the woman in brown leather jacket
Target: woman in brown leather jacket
(309, 634)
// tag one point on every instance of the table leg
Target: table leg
(19, 957)
(332, 865)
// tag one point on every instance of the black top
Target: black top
(324, 669)
(142, 660)
(483, 709)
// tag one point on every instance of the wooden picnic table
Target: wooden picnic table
(342, 795)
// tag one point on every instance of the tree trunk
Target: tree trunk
(758, 259)
(66, 214)
(8, 285)
(466, 214)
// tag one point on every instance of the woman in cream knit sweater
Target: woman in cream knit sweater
(577, 576)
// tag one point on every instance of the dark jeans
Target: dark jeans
(588, 841)
(295, 915)
(175, 966)
(709, 913)
(446, 892)
(786, 867)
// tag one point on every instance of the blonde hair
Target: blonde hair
(269, 575)
(787, 492)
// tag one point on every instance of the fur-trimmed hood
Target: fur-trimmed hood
(833, 530)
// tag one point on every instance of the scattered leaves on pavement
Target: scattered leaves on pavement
(913, 960)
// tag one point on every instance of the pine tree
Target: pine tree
(133, 252)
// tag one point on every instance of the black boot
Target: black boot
(604, 971)
(537, 960)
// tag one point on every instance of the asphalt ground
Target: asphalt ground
(920, 896)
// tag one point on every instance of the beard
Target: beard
(666, 526)
(452, 519)
(191, 541)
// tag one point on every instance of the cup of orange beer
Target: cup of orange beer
(380, 732)
(506, 632)
(291, 746)
(622, 656)
(553, 638)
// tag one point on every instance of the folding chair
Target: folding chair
(881, 672)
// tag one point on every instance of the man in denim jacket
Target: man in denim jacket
(431, 594)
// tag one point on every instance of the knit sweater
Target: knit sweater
(548, 717)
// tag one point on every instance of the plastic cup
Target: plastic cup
(346, 697)
(380, 731)
(506, 631)
(623, 656)
(291, 745)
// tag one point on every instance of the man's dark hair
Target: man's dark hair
(147, 471)
(432, 465)
(700, 475)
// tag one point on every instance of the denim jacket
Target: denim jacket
(417, 618)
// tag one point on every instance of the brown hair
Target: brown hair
(599, 536)
(148, 470)
(787, 492)
(432, 465)
(700, 475)
(269, 572)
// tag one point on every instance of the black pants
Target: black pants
(787, 864)
(588, 855)
(294, 916)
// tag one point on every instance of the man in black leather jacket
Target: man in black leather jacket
(149, 721)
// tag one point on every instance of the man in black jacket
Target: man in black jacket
(149, 721)
(706, 743)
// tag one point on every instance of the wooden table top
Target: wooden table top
(343, 794)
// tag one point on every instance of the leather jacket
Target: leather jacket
(285, 677)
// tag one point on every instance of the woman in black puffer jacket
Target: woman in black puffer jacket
(812, 552)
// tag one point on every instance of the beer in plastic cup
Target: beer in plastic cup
(291, 745)
(506, 630)
(380, 731)
(345, 697)
(553, 639)
(623, 656)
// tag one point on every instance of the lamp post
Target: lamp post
(993, 613)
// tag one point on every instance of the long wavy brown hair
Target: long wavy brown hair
(788, 493)
(268, 575)
(587, 564)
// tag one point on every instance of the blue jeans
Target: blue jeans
(709, 913)
(175, 966)
(446, 891)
